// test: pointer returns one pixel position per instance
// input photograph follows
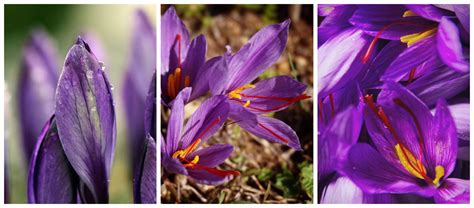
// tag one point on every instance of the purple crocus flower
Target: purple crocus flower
(139, 72)
(37, 85)
(181, 59)
(85, 119)
(415, 152)
(180, 153)
(248, 102)
(144, 179)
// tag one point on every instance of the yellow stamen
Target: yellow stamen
(170, 85)
(415, 37)
(178, 154)
(409, 161)
(247, 103)
(191, 148)
(409, 13)
(439, 174)
(177, 79)
(236, 93)
(187, 81)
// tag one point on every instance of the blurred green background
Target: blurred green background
(112, 25)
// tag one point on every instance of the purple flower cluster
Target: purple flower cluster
(393, 95)
(187, 75)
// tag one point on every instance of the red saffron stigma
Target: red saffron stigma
(321, 110)
(331, 100)
(288, 100)
(178, 39)
(411, 76)
(214, 171)
(273, 133)
(214, 122)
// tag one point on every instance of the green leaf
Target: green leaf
(287, 183)
(306, 177)
(265, 174)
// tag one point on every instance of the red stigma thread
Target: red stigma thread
(273, 133)
(214, 122)
(411, 76)
(288, 101)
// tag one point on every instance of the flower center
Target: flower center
(410, 162)
(175, 79)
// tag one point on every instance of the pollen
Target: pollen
(415, 37)
(439, 174)
(411, 164)
(409, 13)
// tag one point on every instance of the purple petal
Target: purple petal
(217, 68)
(433, 85)
(460, 114)
(150, 109)
(141, 65)
(339, 60)
(260, 52)
(272, 130)
(214, 155)
(273, 94)
(175, 122)
(204, 177)
(334, 22)
(453, 191)
(463, 13)
(36, 87)
(449, 46)
(373, 174)
(86, 119)
(341, 133)
(206, 120)
(51, 178)
(192, 65)
(95, 44)
(410, 58)
(172, 165)
(344, 191)
(442, 146)
(145, 178)
(171, 26)
(389, 19)
(428, 11)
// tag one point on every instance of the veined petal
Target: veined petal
(344, 191)
(172, 165)
(36, 87)
(171, 26)
(86, 119)
(339, 60)
(428, 11)
(273, 94)
(442, 145)
(175, 122)
(192, 67)
(145, 177)
(272, 130)
(212, 156)
(260, 52)
(204, 177)
(462, 13)
(433, 85)
(453, 191)
(334, 22)
(449, 46)
(206, 120)
(460, 114)
(51, 179)
(367, 169)
(334, 143)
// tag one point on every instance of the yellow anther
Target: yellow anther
(178, 153)
(439, 174)
(247, 103)
(170, 85)
(191, 148)
(187, 81)
(177, 79)
(409, 161)
(409, 13)
(415, 37)
(236, 93)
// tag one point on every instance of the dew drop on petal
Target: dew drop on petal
(89, 74)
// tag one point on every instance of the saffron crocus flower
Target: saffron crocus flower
(51, 178)
(180, 153)
(139, 71)
(248, 102)
(144, 179)
(85, 119)
(415, 152)
(37, 85)
(181, 59)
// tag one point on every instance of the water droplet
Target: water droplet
(89, 74)
(111, 87)
(93, 109)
